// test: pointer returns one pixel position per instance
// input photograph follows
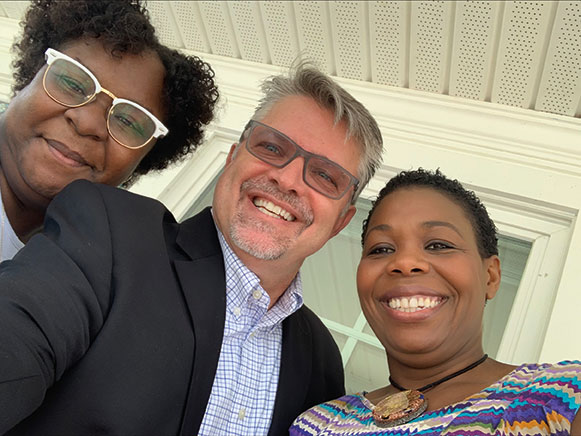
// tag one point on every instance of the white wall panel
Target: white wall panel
(191, 25)
(314, 33)
(521, 52)
(474, 51)
(389, 38)
(249, 31)
(351, 39)
(219, 28)
(281, 34)
(430, 45)
(560, 89)
(164, 22)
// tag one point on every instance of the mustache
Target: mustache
(268, 187)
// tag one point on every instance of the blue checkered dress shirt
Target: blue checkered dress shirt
(246, 380)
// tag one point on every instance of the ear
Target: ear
(493, 274)
(343, 220)
(231, 153)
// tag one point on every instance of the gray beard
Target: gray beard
(272, 247)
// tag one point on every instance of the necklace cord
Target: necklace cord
(443, 379)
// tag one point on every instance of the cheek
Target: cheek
(122, 163)
(366, 278)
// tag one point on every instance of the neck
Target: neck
(416, 371)
(444, 379)
(275, 275)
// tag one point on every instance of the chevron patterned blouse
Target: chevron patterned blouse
(534, 399)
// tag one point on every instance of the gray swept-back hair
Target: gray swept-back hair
(306, 80)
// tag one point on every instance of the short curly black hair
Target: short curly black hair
(123, 26)
(484, 228)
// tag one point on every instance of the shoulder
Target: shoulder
(548, 372)
(325, 353)
(86, 203)
(352, 410)
(308, 321)
(546, 387)
(538, 377)
(83, 192)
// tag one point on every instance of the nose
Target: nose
(407, 262)
(290, 177)
(91, 119)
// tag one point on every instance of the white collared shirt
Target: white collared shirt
(9, 242)
(242, 398)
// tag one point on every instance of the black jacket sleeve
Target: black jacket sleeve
(53, 300)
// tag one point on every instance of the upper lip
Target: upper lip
(267, 197)
(66, 151)
(297, 211)
(409, 291)
(262, 188)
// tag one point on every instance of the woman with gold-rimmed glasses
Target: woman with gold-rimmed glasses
(97, 97)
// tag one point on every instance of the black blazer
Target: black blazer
(111, 323)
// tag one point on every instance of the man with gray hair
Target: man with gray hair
(118, 320)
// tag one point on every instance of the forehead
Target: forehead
(312, 127)
(136, 77)
(415, 205)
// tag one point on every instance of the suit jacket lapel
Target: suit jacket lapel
(204, 287)
(295, 373)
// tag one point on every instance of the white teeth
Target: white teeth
(413, 304)
(272, 209)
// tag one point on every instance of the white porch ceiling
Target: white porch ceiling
(525, 54)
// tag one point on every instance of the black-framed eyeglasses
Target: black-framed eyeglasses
(275, 148)
(71, 84)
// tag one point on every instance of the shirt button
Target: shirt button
(241, 413)
(257, 294)
(237, 311)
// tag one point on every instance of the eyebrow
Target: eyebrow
(427, 224)
(431, 224)
(116, 96)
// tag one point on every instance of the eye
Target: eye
(439, 246)
(324, 177)
(71, 85)
(127, 123)
(380, 250)
(269, 148)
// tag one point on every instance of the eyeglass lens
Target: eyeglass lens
(71, 86)
(319, 173)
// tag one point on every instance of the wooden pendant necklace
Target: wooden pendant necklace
(407, 405)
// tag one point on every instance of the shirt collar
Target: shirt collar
(241, 282)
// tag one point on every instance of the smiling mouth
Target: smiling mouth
(271, 209)
(66, 155)
(414, 304)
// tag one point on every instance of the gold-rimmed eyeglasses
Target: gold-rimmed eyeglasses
(319, 173)
(70, 83)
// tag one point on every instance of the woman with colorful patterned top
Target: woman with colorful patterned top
(429, 264)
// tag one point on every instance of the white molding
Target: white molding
(199, 172)
(9, 28)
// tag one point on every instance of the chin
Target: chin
(259, 248)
